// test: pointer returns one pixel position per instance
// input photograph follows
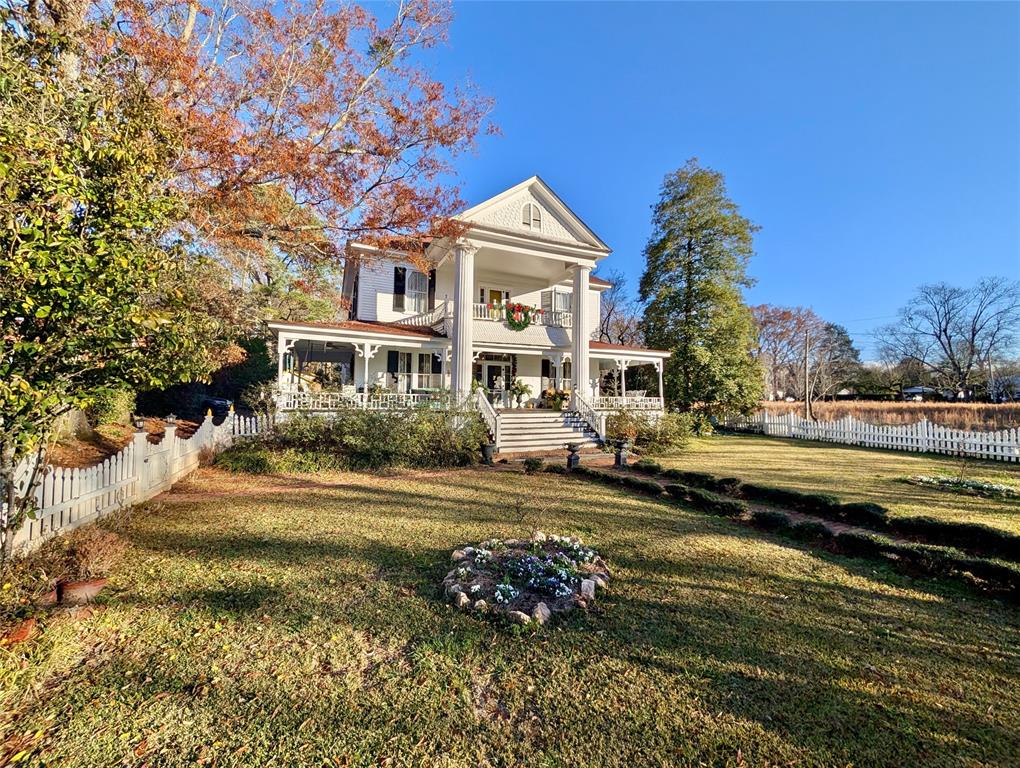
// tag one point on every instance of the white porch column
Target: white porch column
(581, 331)
(623, 377)
(463, 335)
(662, 397)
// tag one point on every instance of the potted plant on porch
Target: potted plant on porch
(519, 390)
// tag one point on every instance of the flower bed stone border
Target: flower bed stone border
(527, 580)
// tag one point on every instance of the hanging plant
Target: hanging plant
(520, 316)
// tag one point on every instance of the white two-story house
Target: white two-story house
(449, 323)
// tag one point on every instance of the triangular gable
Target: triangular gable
(558, 222)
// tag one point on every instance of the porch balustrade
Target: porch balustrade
(325, 402)
(614, 403)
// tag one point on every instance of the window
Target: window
(531, 216)
(556, 300)
(417, 291)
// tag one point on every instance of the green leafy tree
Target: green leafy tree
(92, 294)
(696, 268)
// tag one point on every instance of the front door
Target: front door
(497, 388)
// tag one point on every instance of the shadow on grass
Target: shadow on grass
(845, 671)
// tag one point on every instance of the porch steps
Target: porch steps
(535, 431)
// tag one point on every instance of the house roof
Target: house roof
(390, 329)
(598, 281)
(606, 346)
(541, 191)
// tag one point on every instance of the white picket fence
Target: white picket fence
(67, 498)
(923, 436)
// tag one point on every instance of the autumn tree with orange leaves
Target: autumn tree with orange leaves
(305, 124)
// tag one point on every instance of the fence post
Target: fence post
(139, 442)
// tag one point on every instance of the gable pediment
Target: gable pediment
(510, 211)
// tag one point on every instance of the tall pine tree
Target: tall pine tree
(696, 268)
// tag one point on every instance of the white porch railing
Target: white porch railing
(497, 313)
(596, 419)
(611, 403)
(325, 402)
(489, 415)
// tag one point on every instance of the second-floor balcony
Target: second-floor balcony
(498, 313)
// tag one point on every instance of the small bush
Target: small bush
(863, 513)
(858, 544)
(677, 491)
(640, 484)
(970, 537)
(810, 530)
(706, 501)
(110, 405)
(647, 466)
(661, 435)
(770, 520)
(532, 465)
(556, 469)
(820, 504)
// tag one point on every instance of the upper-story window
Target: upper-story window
(531, 216)
(417, 291)
(556, 300)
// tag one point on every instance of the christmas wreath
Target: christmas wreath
(520, 316)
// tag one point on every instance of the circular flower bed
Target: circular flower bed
(529, 580)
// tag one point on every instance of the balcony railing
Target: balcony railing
(497, 313)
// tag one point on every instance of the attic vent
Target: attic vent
(531, 217)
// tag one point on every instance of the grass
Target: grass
(973, 416)
(856, 474)
(296, 621)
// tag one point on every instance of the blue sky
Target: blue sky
(877, 145)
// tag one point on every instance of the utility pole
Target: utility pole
(807, 374)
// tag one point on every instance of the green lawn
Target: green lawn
(295, 621)
(856, 474)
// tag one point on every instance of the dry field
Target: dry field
(973, 416)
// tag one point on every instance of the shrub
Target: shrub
(770, 520)
(110, 405)
(640, 484)
(725, 485)
(651, 433)
(971, 537)
(647, 465)
(556, 469)
(810, 530)
(707, 501)
(532, 465)
(361, 439)
(859, 544)
(863, 513)
(677, 491)
(820, 504)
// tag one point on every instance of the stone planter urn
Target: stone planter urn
(620, 459)
(488, 450)
(573, 459)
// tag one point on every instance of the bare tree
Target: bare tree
(780, 350)
(620, 321)
(953, 332)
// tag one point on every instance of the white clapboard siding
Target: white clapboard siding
(922, 436)
(66, 498)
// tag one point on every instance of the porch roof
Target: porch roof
(362, 327)
(605, 349)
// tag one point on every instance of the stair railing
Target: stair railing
(595, 419)
(489, 416)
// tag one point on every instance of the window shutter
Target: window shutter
(547, 301)
(399, 287)
(546, 368)
(432, 290)
(437, 364)
(391, 361)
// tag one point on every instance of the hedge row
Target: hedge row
(706, 501)
(615, 478)
(913, 558)
(981, 540)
